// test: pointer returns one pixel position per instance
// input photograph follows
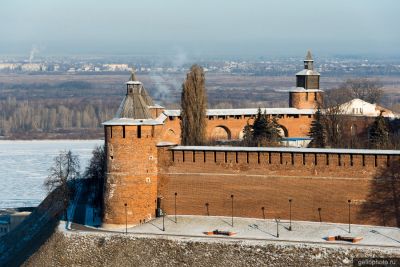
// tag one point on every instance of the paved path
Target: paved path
(258, 229)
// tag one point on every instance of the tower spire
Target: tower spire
(133, 75)
(308, 61)
(309, 56)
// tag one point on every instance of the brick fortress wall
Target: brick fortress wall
(268, 179)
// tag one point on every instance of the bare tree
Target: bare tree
(96, 172)
(193, 108)
(62, 176)
(366, 89)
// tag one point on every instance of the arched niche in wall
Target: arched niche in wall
(221, 132)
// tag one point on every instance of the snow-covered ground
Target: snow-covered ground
(266, 230)
(24, 166)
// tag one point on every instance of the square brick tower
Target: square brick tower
(131, 139)
(307, 93)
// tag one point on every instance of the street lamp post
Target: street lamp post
(232, 209)
(163, 221)
(208, 213)
(349, 201)
(263, 211)
(176, 220)
(319, 213)
(126, 218)
(277, 226)
(290, 214)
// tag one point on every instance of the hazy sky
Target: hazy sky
(202, 27)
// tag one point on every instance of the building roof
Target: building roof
(300, 90)
(246, 111)
(289, 150)
(359, 107)
(127, 121)
(133, 106)
(308, 72)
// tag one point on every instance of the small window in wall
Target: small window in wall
(306, 96)
(110, 131)
(139, 131)
(152, 131)
(123, 131)
(315, 96)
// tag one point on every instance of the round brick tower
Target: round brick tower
(307, 93)
(131, 138)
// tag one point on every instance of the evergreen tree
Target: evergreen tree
(317, 131)
(194, 107)
(248, 135)
(260, 127)
(379, 133)
(273, 132)
(263, 131)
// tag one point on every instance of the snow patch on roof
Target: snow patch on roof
(246, 111)
(307, 72)
(290, 150)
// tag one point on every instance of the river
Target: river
(24, 167)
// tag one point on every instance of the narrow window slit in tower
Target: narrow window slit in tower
(183, 156)
(226, 157)
(388, 161)
(363, 160)
(110, 131)
(237, 159)
(376, 161)
(215, 156)
(194, 156)
(280, 158)
(204, 155)
(351, 159)
(327, 159)
(304, 159)
(258, 157)
(292, 158)
(173, 156)
(139, 131)
(152, 131)
(339, 160)
(269, 158)
(247, 157)
(123, 131)
(315, 159)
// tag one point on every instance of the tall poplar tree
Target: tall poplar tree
(194, 108)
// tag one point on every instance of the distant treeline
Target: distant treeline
(49, 115)
(62, 85)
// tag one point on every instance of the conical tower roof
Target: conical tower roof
(133, 106)
(136, 102)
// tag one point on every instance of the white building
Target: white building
(358, 107)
